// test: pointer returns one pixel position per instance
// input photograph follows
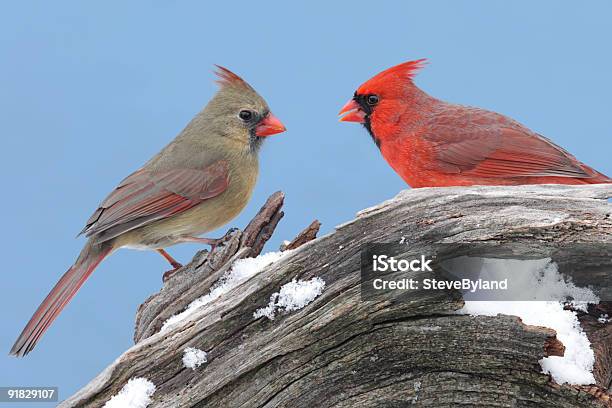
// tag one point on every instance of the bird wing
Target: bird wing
(489, 145)
(147, 196)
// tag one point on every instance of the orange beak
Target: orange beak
(352, 112)
(270, 125)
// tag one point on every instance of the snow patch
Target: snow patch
(193, 357)
(544, 282)
(576, 366)
(135, 394)
(292, 296)
(417, 388)
(242, 270)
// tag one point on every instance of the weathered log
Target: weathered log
(340, 351)
(195, 279)
(599, 333)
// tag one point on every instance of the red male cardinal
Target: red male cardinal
(197, 183)
(432, 143)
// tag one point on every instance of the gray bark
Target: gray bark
(340, 351)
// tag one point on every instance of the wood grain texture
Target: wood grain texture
(340, 351)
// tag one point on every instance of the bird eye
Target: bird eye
(372, 100)
(245, 115)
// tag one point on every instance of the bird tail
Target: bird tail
(595, 177)
(600, 178)
(89, 258)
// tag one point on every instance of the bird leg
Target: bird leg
(175, 264)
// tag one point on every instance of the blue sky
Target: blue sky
(89, 91)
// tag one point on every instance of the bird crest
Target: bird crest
(394, 78)
(407, 69)
(225, 77)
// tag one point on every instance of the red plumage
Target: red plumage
(432, 143)
(60, 295)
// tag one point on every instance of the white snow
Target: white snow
(292, 296)
(542, 280)
(242, 270)
(417, 388)
(604, 318)
(193, 357)
(135, 394)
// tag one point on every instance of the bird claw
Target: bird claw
(169, 274)
(216, 243)
(219, 242)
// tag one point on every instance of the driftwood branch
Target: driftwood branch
(308, 234)
(340, 351)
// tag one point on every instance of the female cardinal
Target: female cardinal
(431, 143)
(197, 183)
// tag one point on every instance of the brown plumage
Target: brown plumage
(197, 183)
